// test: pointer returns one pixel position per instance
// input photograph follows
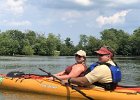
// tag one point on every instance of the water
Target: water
(130, 67)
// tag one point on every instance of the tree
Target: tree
(67, 48)
(8, 46)
(68, 42)
(83, 41)
(27, 50)
(15, 35)
(135, 41)
(18, 36)
(93, 45)
(53, 44)
(40, 46)
(117, 39)
(31, 36)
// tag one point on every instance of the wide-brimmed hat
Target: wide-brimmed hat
(81, 53)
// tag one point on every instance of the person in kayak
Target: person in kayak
(76, 70)
(104, 73)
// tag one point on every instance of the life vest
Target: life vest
(115, 71)
(69, 68)
(116, 75)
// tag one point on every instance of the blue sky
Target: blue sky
(70, 18)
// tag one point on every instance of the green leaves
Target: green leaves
(15, 42)
(117, 39)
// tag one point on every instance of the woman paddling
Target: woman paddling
(75, 70)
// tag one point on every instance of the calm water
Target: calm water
(130, 70)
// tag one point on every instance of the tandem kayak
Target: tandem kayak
(40, 84)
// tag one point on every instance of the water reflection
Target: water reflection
(15, 95)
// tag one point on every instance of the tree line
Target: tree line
(15, 42)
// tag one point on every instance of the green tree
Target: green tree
(53, 42)
(83, 41)
(135, 41)
(8, 46)
(16, 35)
(93, 45)
(40, 46)
(31, 36)
(117, 39)
(27, 50)
(68, 42)
(67, 48)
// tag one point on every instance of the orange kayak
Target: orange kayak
(41, 85)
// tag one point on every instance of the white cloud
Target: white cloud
(116, 18)
(126, 1)
(115, 3)
(15, 23)
(83, 2)
(15, 6)
(71, 16)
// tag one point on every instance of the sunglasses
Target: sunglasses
(102, 54)
(78, 56)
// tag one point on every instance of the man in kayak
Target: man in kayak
(76, 70)
(104, 73)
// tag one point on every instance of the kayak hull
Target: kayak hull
(45, 86)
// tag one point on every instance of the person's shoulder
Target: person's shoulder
(78, 65)
(101, 67)
(111, 62)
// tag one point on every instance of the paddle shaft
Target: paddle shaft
(49, 74)
(72, 86)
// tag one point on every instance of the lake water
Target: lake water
(130, 67)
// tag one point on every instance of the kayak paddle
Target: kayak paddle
(72, 86)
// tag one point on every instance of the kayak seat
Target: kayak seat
(15, 74)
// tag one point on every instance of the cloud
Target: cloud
(15, 23)
(116, 18)
(83, 2)
(126, 1)
(15, 6)
(117, 3)
(71, 15)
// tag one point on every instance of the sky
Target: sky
(70, 18)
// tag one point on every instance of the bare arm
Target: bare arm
(75, 72)
(60, 73)
(82, 81)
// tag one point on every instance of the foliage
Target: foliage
(15, 42)
(67, 48)
(135, 41)
(92, 45)
(117, 39)
(27, 50)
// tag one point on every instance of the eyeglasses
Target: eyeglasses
(78, 56)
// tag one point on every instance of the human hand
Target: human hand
(51, 78)
(64, 82)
